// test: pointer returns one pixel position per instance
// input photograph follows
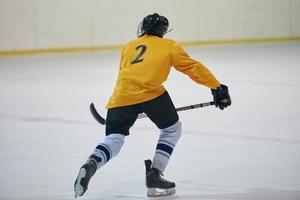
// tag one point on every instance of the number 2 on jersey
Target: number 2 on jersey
(142, 52)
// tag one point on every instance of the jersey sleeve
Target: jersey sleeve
(194, 69)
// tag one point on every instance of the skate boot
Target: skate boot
(84, 176)
(156, 185)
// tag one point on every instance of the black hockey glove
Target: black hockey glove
(221, 97)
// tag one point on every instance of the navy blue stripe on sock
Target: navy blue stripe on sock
(163, 154)
(105, 150)
(165, 148)
(107, 147)
(167, 143)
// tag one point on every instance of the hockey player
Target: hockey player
(145, 65)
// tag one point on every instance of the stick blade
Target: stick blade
(95, 114)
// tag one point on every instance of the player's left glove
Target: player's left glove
(221, 97)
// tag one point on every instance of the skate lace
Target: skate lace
(160, 175)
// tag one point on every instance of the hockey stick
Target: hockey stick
(102, 121)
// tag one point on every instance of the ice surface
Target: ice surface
(250, 151)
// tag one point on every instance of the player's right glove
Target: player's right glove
(221, 97)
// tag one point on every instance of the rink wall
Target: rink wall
(37, 26)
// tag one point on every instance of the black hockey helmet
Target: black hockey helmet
(153, 24)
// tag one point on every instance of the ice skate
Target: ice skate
(84, 176)
(156, 185)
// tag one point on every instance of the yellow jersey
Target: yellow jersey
(145, 64)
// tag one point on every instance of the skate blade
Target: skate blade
(79, 191)
(157, 192)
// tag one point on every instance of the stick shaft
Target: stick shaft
(200, 105)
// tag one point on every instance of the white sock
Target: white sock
(165, 145)
(109, 148)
